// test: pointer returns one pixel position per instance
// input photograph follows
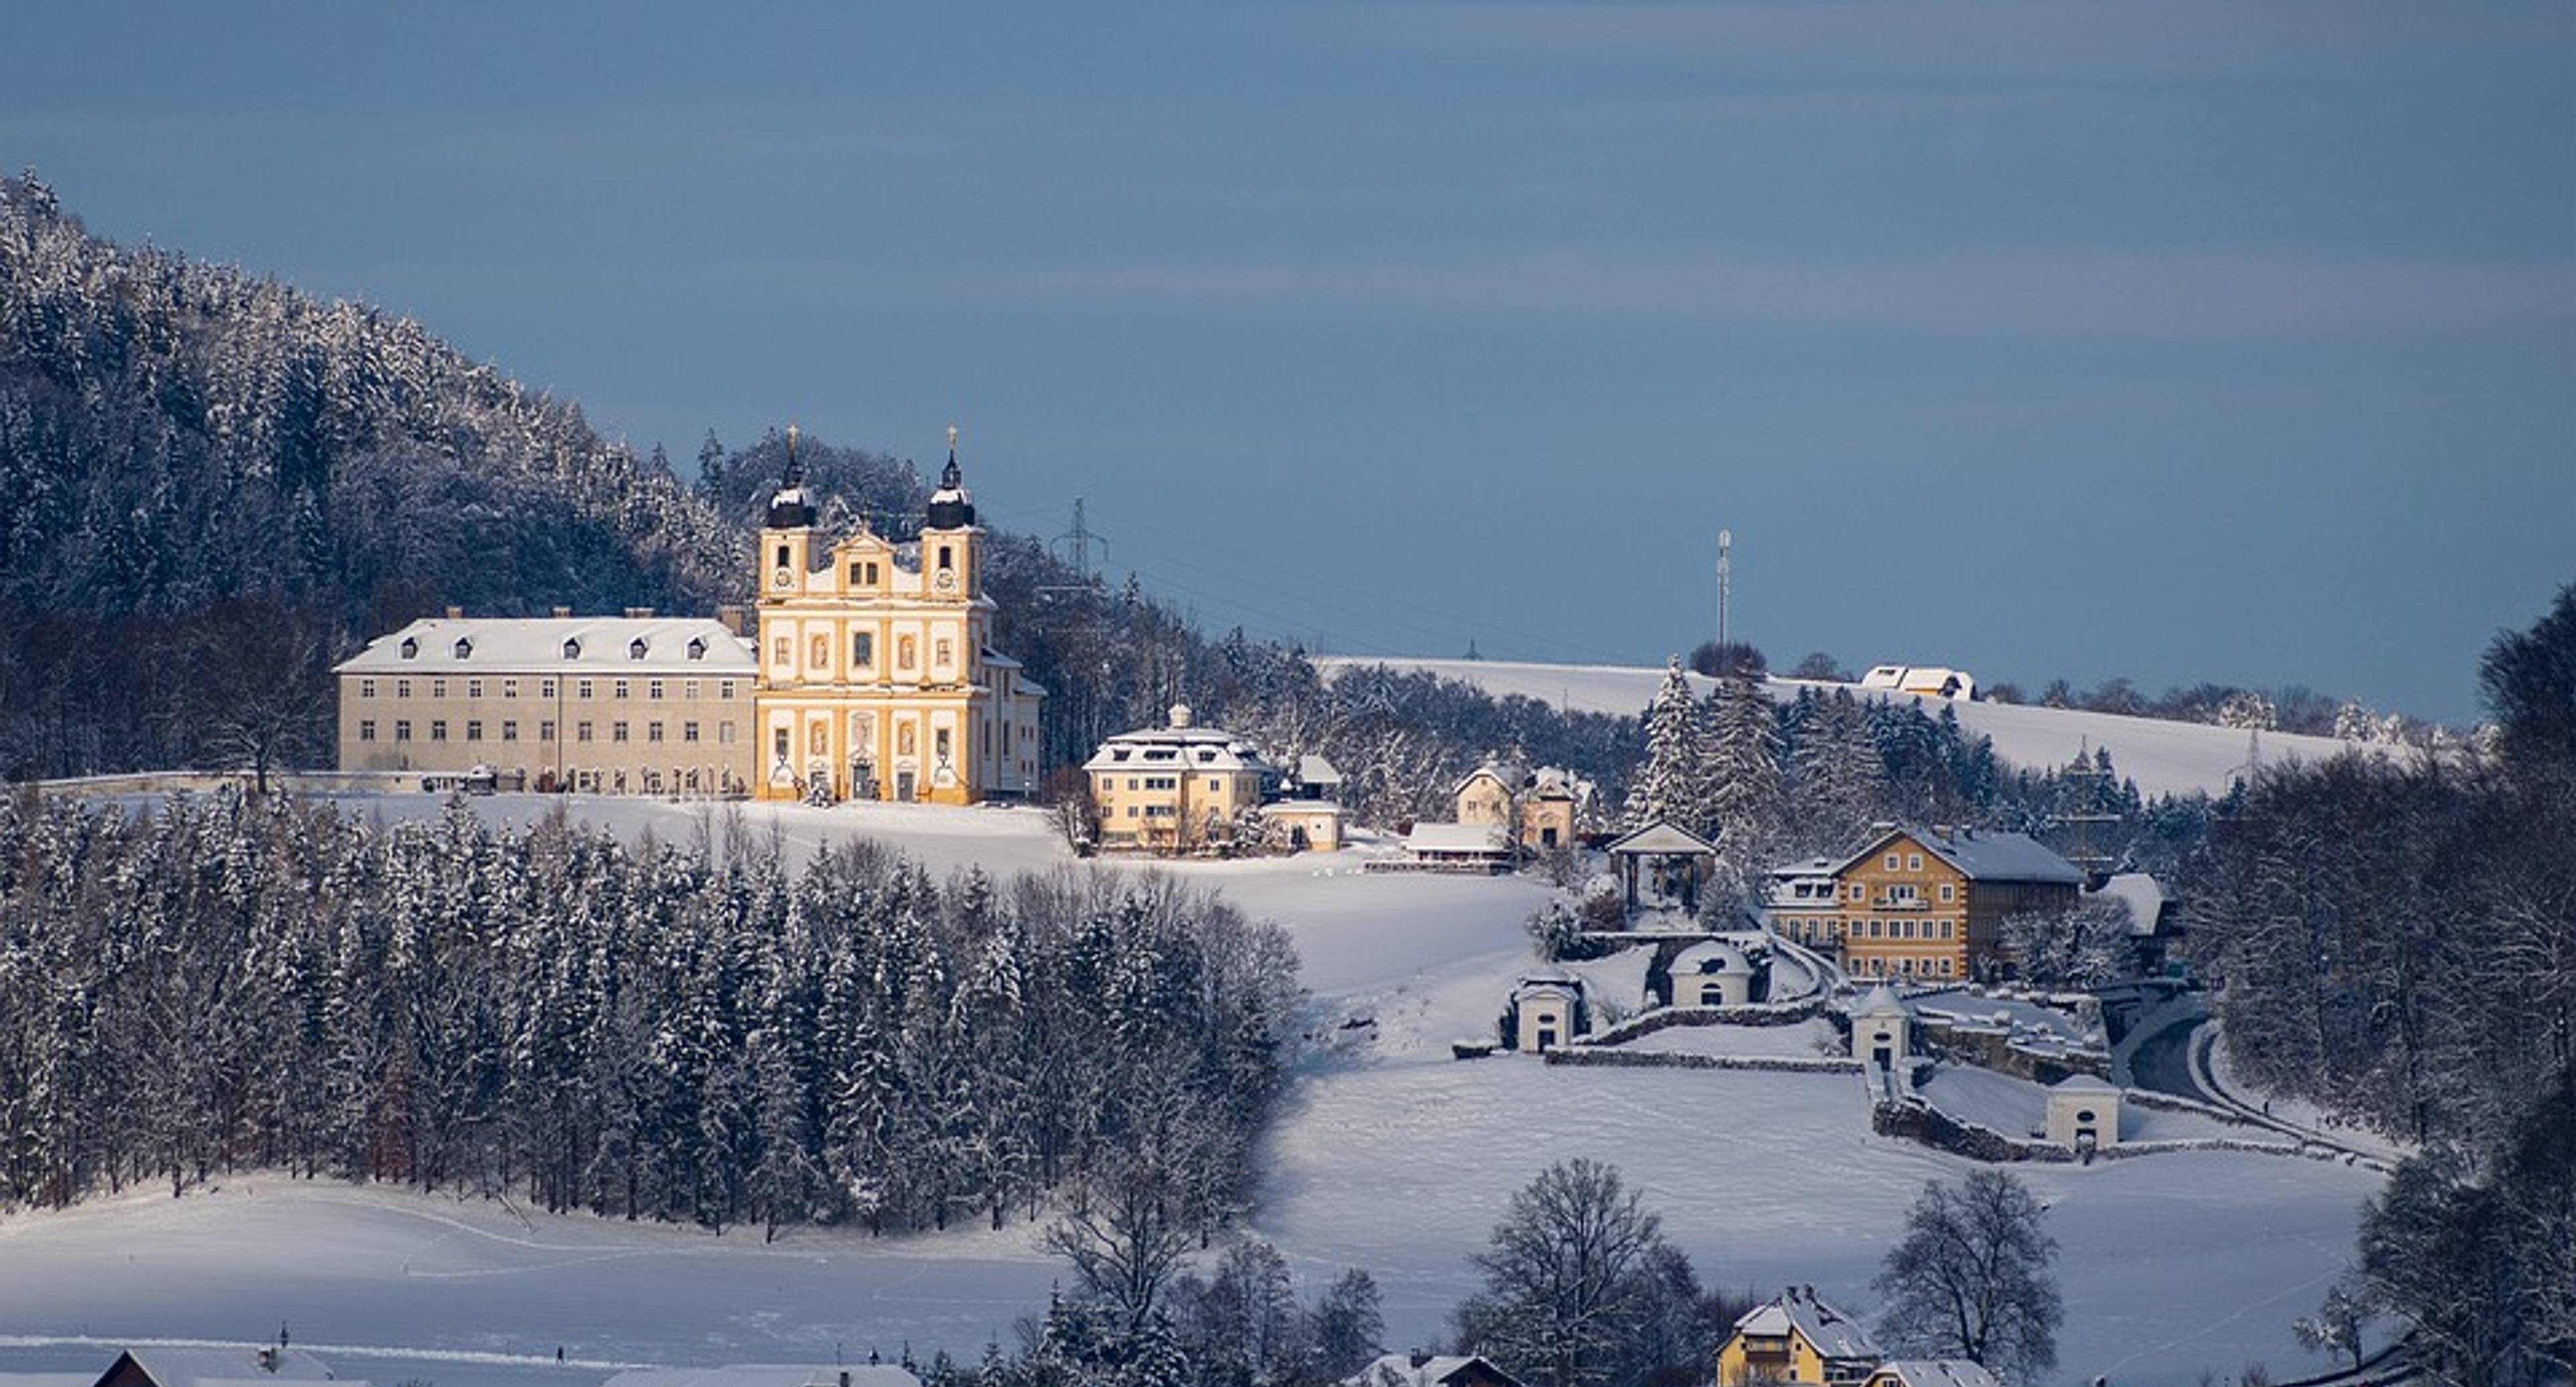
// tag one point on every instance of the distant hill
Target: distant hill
(2162, 757)
(212, 485)
(197, 464)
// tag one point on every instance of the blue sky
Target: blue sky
(2178, 341)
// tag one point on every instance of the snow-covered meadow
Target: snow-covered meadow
(2164, 758)
(1389, 1155)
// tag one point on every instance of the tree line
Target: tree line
(2396, 939)
(692, 1033)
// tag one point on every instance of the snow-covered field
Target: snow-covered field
(2164, 758)
(1390, 1156)
(1805, 1040)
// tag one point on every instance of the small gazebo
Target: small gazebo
(1663, 853)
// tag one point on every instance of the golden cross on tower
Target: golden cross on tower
(952, 442)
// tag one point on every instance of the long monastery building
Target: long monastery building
(869, 673)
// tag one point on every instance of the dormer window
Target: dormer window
(464, 647)
(698, 648)
(410, 648)
(572, 648)
(635, 648)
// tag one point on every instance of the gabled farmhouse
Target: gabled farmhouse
(1932, 1372)
(1796, 1338)
(1430, 1370)
(1925, 903)
(1537, 807)
(217, 1367)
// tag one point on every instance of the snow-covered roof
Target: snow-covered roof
(1711, 956)
(1430, 837)
(1548, 980)
(1829, 1331)
(1178, 746)
(768, 1375)
(227, 1367)
(2144, 897)
(1309, 808)
(1313, 769)
(1511, 775)
(1981, 855)
(2083, 1083)
(1400, 1370)
(1932, 1372)
(544, 645)
(1882, 1001)
(1661, 837)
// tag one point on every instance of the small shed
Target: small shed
(1460, 847)
(1713, 973)
(1673, 864)
(1309, 825)
(2084, 1114)
(1881, 1028)
(1547, 1011)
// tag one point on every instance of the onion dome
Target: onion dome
(789, 508)
(951, 508)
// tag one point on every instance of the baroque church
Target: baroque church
(877, 675)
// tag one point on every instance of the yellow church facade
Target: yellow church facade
(876, 675)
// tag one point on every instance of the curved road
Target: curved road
(2162, 1062)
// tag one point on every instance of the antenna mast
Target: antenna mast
(1725, 580)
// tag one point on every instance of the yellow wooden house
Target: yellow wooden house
(1797, 1338)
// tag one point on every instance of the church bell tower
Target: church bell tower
(950, 537)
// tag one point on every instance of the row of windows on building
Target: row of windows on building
(636, 649)
(581, 688)
(620, 731)
(1826, 929)
(1875, 967)
(863, 651)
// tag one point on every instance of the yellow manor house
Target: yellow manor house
(869, 675)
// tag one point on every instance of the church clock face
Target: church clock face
(946, 580)
(782, 578)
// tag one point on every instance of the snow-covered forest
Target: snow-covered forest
(693, 1033)
(243, 483)
(2396, 940)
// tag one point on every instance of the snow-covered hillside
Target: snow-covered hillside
(1390, 1155)
(2164, 758)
